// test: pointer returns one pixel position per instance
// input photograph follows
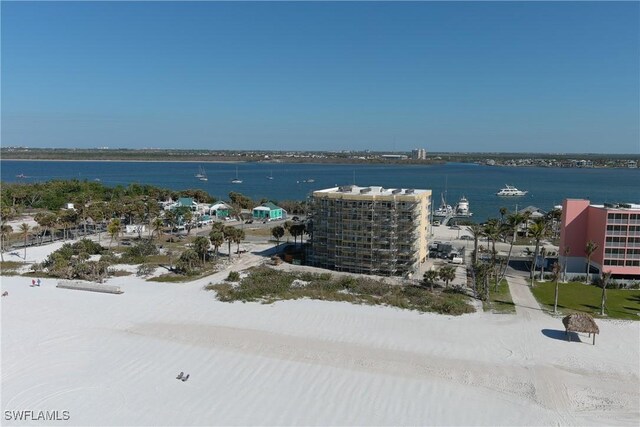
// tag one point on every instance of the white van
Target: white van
(456, 260)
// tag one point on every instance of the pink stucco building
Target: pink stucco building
(615, 228)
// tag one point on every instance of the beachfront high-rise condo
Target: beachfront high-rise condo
(614, 228)
(370, 230)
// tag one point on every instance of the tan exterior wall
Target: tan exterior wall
(370, 233)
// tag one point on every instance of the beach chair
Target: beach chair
(180, 375)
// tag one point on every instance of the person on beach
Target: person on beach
(33, 282)
(38, 282)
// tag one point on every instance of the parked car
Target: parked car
(466, 237)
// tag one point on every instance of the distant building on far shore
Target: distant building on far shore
(614, 228)
(419, 154)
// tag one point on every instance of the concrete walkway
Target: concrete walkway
(526, 305)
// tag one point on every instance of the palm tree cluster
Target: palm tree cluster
(446, 273)
(506, 230)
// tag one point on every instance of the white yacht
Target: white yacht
(462, 208)
(511, 191)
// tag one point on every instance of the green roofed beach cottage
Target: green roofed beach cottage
(267, 212)
(220, 210)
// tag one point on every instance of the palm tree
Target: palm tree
(171, 218)
(589, 250)
(555, 271)
(24, 232)
(430, 277)
(44, 220)
(277, 232)
(201, 246)
(238, 237)
(476, 231)
(606, 277)
(229, 233)
(114, 230)
(188, 218)
(98, 212)
(158, 227)
(503, 212)
(538, 230)
(493, 231)
(566, 252)
(5, 232)
(296, 230)
(217, 239)
(447, 273)
(543, 253)
(511, 227)
(287, 226)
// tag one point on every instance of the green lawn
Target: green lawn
(578, 297)
(501, 301)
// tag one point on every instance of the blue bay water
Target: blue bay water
(547, 186)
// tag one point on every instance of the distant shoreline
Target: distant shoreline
(130, 161)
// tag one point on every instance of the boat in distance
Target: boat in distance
(236, 180)
(511, 191)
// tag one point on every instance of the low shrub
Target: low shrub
(266, 285)
(145, 270)
(137, 254)
(233, 276)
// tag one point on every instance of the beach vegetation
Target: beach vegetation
(119, 273)
(266, 285)
(233, 276)
(72, 261)
(145, 270)
(138, 253)
(10, 268)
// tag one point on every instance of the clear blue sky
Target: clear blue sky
(548, 77)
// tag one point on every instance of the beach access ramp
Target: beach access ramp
(87, 286)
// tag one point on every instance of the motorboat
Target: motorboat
(462, 208)
(511, 191)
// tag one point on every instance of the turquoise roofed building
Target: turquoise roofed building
(268, 212)
(220, 210)
(186, 202)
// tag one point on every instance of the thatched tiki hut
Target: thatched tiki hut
(580, 322)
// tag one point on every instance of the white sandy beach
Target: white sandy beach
(113, 360)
